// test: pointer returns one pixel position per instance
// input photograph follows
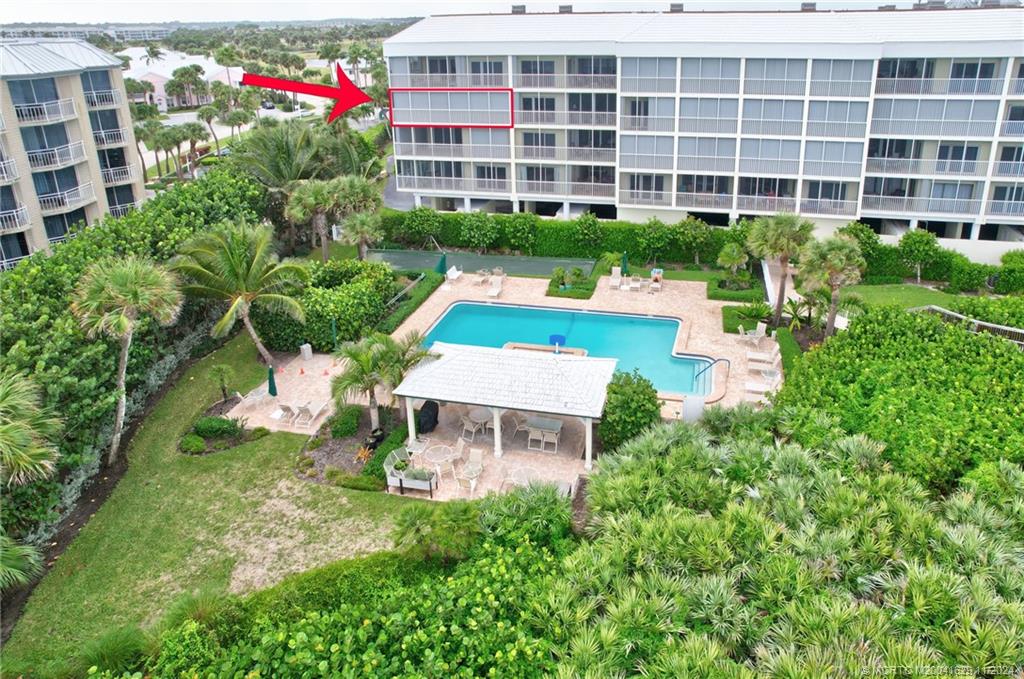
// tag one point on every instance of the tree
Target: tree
(315, 201)
(831, 264)
(732, 257)
(194, 133)
(780, 236)
(357, 52)
(631, 406)
(227, 57)
(223, 373)
(144, 133)
(208, 114)
(357, 195)
(918, 248)
(153, 53)
(364, 372)
(236, 263)
(111, 298)
(191, 79)
(362, 229)
(331, 51)
(167, 141)
(27, 431)
(135, 88)
(236, 119)
(400, 356)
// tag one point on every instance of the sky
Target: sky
(154, 11)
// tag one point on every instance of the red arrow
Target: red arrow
(347, 94)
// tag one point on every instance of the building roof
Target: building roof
(533, 381)
(170, 61)
(32, 57)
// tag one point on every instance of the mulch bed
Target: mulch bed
(340, 452)
(808, 337)
(222, 407)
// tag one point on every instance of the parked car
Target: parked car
(267, 105)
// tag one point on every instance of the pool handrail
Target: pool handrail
(711, 365)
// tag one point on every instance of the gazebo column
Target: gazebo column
(498, 412)
(410, 420)
(588, 429)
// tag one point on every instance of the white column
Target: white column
(975, 231)
(410, 420)
(417, 200)
(497, 431)
(913, 224)
(588, 428)
(466, 204)
(565, 210)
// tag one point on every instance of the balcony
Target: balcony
(451, 117)
(588, 118)
(641, 197)
(709, 85)
(712, 201)
(13, 220)
(46, 112)
(707, 163)
(429, 150)
(65, 201)
(822, 128)
(1010, 168)
(124, 208)
(774, 86)
(56, 157)
(118, 175)
(460, 184)
(10, 262)
(645, 161)
(561, 188)
(1016, 85)
(769, 166)
(1013, 128)
(648, 84)
(824, 206)
(8, 171)
(841, 88)
(766, 203)
(565, 81)
(708, 125)
(971, 86)
(783, 127)
(969, 168)
(103, 98)
(646, 123)
(1009, 208)
(832, 168)
(566, 153)
(968, 128)
(920, 204)
(104, 138)
(449, 80)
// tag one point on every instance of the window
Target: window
(906, 68)
(834, 151)
(112, 158)
(831, 117)
(1015, 113)
(952, 190)
(1013, 193)
(537, 103)
(773, 109)
(13, 246)
(1012, 154)
(771, 149)
(648, 146)
(840, 70)
(647, 182)
(593, 174)
(708, 108)
(694, 68)
(57, 226)
(536, 66)
(776, 69)
(648, 67)
(536, 173)
(704, 147)
(973, 70)
(490, 65)
(491, 172)
(104, 120)
(591, 65)
(826, 190)
(40, 137)
(33, 91)
(598, 139)
(120, 195)
(897, 187)
(956, 157)
(539, 139)
(586, 101)
(704, 183)
(54, 181)
(440, 65)
(770, 187)
(96, 81)
(894, 148)
(7, 200)
(488, 137)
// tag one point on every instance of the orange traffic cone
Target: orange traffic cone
(302, 371)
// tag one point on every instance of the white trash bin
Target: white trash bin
(306, 351)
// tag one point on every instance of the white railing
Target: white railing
(960, 206)
(57, 156)
(10, 262)
(11, 220)
(8, 170)
(717, 201)
(926, 166)
(822, 128)
(766, 203)
(641, 197)
(786, 127)
(598, 118)
(449, 117)
(449, 80)
(46, 112)
(1016, 85)
(974, 128)
(1013, 128)
(1010, 168)
(110, 137)
(118, 175)
(67, 200)
(709, 163)
(938, 85)
(713, 125)
(648, 84)
(1006, 207)
(832, 168)
(404, 148)
(562, 188)
(709, 85)
(646, 161)
(124, 208)
(824, 206)
(769, 166)
(647, 123)
(841, 88)
(565, 81)
(562, 153)
(102, 98)
(774, 86)
(453, 184)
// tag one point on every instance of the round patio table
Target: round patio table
(479, 415)
(438, 455)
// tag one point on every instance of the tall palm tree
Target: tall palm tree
(331, 51)
(227, 57)
(153, 53)
(27, 431)
(361, 230)
(316, 201)
(208, 114)
(167, 140)
(780, 236)
(364, 372)
(110, 299)
(831, 264)
(193, 133)
(357, 195)
(237, 264)
(144, 133)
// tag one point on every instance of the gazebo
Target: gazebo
(511, 379)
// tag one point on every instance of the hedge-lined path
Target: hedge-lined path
(234, 520)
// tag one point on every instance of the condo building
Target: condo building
(901, 119)
(67, 149)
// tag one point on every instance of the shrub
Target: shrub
(881, 280)
(716, 290)
(120, 650)
(422, 290)
(631, 406)
(217, 427)
(654, 239)
(479, 231)
(755, 311)
(999, 310)
(345, 422)
(304, 462)
(586, 230)
(918, 249)
(192, 444)
(420, 225)
(375, 467)
(257, 433)
(538, 511)
(1010, 279)
(186, 649)
(966, 275)
(339, 477)
(520, 231)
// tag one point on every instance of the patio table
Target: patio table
(480, 415)
(544, 424)
(438, 455)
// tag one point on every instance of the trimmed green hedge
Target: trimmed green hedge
(414, 298)
(375, 467)
(754, 294)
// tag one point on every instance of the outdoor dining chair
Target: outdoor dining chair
(520, 425)
(549, 438)
(470, 428)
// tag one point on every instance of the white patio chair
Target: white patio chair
(549, 438)
(495, 289)
(288, 413)
(476, 456)
(520, 425)
(764, 357)
(656, 278)
(466, 484)
(635, 284)
(452, 274)
(761, 366)
(534, 435)
(482, 276)
(616, 278)
(309, 413)
(761, 388)
(459, 449)
(749, 337)
(498, 271)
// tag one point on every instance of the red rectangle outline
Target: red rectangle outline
(511, 106)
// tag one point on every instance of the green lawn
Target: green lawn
(235, 520)
(677, 274)
(903, 294)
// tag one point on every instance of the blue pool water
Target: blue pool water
(637, 341)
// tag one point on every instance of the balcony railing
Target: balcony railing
(1013, 208)
(1013, 128)
(938, 85)
(773, 86)
(1010, 168)
(118, 175)
(595, 118)
(8, 171)
(648, 84)
(708, 125)
(715, 201)
(12, 220)
(562, 188)
(972, 128)
(565, 153)
(769, 166)
(824, 206)
(784, 127)
(429, 150)
(832, 168)
(766, 203)
(449, 80)
(647, 123)
(709, 85)
(454, 184)
(707, 163)
(124, 208)
(10, 262)
(1016, 85)
(450, 117)
(46, 112)
(911, 204)
(841, 88)
(822, 128)
(565, 81)
(927, 166)
(102, 98)
(58, 156)
(646, 161)
(114, 137)
(641, 197)
(67, 200)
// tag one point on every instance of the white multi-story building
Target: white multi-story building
(67, 148)
(899, 118)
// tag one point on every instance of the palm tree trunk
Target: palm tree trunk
(784, 266)
(362, 249)
(374, 411)
(918, 268)
(833, 308)
(214, 134)
(138, 149)
(256, 339)
(320, 224)
(122, 369)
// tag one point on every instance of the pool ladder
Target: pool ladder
(711, 365)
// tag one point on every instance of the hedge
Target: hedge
(716, 292)
(999, 310)
(414, 298)
(42, 339)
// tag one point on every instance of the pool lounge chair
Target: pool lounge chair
(452, 274)
(656, 277)
(495, 289)
(308, 414)
(761, 366)
(761, 388)
(288, 413)
(763, 357)
(615, 280)
(635, 284)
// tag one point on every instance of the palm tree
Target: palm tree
(167, 140)
(732, 256)
(364, 372)
(358, 195)
(227, 57)
(831, 264)
(781, 236)
(193, 134)
(237, 264)
(27, 430)
(400, 356)
(208, 114)
(361, 230)
(331, 51)
(357, 51)
(110, 299)
(19, 564)
(316, 201)
(144, 133)
(153, 53)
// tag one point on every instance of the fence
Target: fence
(1015, 335)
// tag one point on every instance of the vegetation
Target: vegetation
(718, 290)
(345, 421)
(779, 237)
(1007, 311)
(415, 297)
(904, 295)
(917, 249)
(631, 406)
(361, 230)
(830, 265)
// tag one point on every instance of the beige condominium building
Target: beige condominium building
(67, 151)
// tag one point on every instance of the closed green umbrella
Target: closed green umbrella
(625, 264)
(442, 264)
(271, 385)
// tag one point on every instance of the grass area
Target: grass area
(676, 274)
(905, 295)
(235, 520)
(788, 348)
(335, 250)
(731, 319)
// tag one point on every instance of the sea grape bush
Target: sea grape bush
(1007, 311)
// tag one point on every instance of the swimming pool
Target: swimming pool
(641, 342)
